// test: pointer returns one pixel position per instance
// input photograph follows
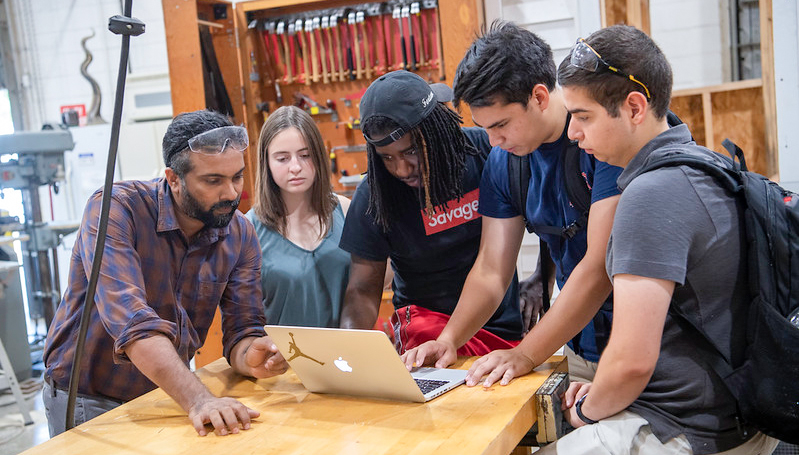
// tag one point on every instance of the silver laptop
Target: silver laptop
(358, 362)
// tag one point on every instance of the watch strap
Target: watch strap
(579, 408)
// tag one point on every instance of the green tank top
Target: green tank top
(303, 287)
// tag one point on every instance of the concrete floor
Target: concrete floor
(15, 436)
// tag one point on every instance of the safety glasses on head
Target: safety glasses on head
(584, 56)
(220, 139)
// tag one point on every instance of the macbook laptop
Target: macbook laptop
(358, 362)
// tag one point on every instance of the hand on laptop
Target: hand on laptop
(264, 360)
(501, 365)
(442, 353)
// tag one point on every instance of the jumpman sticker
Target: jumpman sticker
(297, 353)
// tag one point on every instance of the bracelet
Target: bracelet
(579, 408)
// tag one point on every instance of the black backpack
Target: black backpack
(766, 383)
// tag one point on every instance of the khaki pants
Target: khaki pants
(579, 369)
(628, 433)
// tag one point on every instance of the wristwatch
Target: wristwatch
(579, 408)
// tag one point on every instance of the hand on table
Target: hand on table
(224, 414)
(443, 354)
(500, 365)
(264, 360)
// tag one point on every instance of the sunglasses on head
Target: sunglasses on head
(584, 56)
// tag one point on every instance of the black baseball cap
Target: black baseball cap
(403, 97)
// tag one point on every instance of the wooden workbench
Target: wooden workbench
(467, 420)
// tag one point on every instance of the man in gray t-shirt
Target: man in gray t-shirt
(676, 241)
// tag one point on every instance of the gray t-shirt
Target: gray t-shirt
(679, 224)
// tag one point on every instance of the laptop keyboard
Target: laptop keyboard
(427, 385)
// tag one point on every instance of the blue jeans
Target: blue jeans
(86, 408)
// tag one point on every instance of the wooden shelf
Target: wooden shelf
(733, 110)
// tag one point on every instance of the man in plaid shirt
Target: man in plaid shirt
(176, 249)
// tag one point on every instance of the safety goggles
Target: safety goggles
(585, 57)
(220, 139)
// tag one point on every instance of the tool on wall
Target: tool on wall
(330, 60)
(293, 47)
(397, 15)
(377, 38)
(352, 28)
(432, 6)
(270, 48)
(307, 103)
(303, 48)
(288, 58)
(367, 43)
(312, 57)
(416, 17)
(359, 41)
(406, 14)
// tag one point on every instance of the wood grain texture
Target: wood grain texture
(185, 59)
(771, 158)
(294, 421)
(733, 110)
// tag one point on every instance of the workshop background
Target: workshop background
(58, 65)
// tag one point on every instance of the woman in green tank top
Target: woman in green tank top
(298, 220)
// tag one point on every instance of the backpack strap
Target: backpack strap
(735, 152)
(729, 178)
(732, 179)
(713, 357)
(519, 179)
(576, 188)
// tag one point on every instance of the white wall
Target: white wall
(692, 34)
(50, 55)
(786, 71)
(558, 22)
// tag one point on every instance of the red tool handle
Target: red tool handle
(277, 62)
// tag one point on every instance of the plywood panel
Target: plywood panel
(613, 12)
(771, 161)
(738, 115)
(460, 22)
(689, 109)
(185, 61)
(733, 111)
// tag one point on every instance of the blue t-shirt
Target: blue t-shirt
(431, 257)
(548, 205)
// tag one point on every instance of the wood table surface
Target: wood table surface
(467, 420)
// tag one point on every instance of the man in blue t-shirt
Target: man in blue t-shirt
(418, 206)
(508, 80)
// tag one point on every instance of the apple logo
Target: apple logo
(342, 365)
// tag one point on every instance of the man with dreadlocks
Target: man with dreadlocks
(418, 206)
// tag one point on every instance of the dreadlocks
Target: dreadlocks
(442, 147)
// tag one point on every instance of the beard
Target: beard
(191, 207)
